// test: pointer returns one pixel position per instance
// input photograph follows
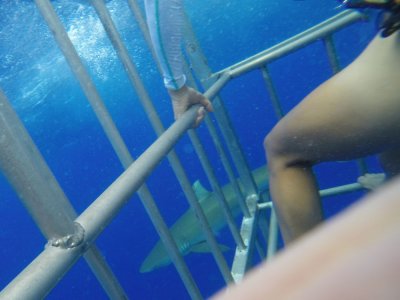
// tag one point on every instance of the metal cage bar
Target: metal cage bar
(45, 271)
(35, 184)
(159, 129)
(203, 72)
(113, 134)
(216, 188)
(298, 41)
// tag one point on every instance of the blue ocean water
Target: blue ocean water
(40, 85)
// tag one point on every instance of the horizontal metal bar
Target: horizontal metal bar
(296, 42)
(347, 188)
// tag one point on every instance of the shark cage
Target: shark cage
(71, 236)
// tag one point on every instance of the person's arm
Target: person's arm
(165, 20)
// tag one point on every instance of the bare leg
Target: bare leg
(353, 114)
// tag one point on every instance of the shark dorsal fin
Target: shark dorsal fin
(200, 190)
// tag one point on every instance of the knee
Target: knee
(274, 145)
(283, 150)
(276, 150)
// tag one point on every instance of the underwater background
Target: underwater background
(38, 82)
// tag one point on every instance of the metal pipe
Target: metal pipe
(331, 51)
(221, 152)
(144, 192)
(113, 135)
(159, 129)
(84, 79)
(28, 173)
(227, 166)
(48, 268)
(272, 92)
(42, 274)
(242, 259)
(134, 6)
(273, 234)
(216, 188)
(199, 65)
(38, 189)
(292, 44)
(347, 188)
(169, 243)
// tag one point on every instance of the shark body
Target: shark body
(187, 232)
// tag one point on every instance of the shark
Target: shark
(187, 232)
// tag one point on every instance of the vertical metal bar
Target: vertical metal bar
(118, 144)
(159, 129)
(206, 164)
(84, 79)
(227, 166)
(260, 250)
(216, 188)
(242, 258)
(203, 71)
(332, 55)
(220, 149)
(263, 226)
(272, 92)
(169, 242)
(273, 234)
(28, 173)
(141, 21)
(334, 62)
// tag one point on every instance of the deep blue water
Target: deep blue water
(48, 99)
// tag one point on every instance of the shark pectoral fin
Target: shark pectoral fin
(204, 248)
(200, 190)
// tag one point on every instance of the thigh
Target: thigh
(353, 114)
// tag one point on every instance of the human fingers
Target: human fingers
(201, 113)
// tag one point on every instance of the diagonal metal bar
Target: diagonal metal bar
(49, 267)
(116, 141)
(296, 42)
(203, 72)
(159, 129)
(216, 188)
(35, 184)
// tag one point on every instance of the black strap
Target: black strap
(390, 16)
